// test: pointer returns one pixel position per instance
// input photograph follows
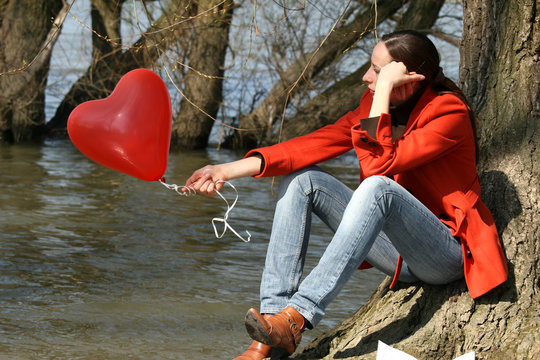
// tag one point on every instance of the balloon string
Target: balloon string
(189, 191)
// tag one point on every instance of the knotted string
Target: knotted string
(190, 191)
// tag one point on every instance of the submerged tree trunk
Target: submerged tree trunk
(27, 35)
(203, 81)
(110, 61)
(500, 52)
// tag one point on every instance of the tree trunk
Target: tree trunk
(26, 38)
(110, 62)
(326, 108)
(260, 121)
(106, 20)
(500, 52)
(500, 74)
(203, 82)
(345, 95)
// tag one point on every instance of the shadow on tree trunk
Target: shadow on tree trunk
(501, 197)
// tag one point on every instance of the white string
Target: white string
(190, 191)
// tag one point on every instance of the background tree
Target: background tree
(111, 59)
(203, 82)
(197, 31)
(500, 52)
(258, 124)
(28, 30)
(344, 95)
(191, 38)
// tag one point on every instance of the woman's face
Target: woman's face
(379, 57)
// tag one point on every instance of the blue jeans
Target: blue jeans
(374, 223)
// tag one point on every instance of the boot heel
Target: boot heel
(256, 328)
(283, 329)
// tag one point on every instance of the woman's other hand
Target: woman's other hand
(210, 178)
(206, 180)
(402, 82)
(394, 85)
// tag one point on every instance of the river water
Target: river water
(95, 264)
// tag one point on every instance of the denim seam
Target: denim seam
(421, 211)
(331, 195)
(290, 290)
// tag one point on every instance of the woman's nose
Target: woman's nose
(367, 78)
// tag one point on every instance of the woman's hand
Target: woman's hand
(208, 179)
(397, 74)
(403, 82)
(205, 180)
(394, 85)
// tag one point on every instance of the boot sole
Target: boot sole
(256, 330)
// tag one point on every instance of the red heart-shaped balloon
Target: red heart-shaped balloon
(130, 130)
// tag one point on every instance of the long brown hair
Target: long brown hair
(420, 55)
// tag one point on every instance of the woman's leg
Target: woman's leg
(301, 193)
(380, 204)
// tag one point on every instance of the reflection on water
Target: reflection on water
(95, 264)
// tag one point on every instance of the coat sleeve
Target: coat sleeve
(321, 145)
(437, 129)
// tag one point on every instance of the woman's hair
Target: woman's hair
(420, 55)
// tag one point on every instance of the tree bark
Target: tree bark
(500, 52)
(203, 83)
(500, 74)
(26, 38)
(259, 122)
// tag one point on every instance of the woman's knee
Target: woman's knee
(373, 185)
(303, 179)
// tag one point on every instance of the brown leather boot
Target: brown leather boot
(256, 351)
(283, 329)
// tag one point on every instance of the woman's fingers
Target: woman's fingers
(408, 79)
(205, 180)
(397, 73)
(203, 186)
(207, 187)
(416, 77)
(196, 176)
(402, 92)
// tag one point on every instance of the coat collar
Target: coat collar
(428, 95)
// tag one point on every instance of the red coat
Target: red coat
(434, 159)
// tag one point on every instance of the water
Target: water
(95, 264)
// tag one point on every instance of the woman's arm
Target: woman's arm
(205, 180)
(439, 127)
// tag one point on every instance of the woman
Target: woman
(416, 213)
